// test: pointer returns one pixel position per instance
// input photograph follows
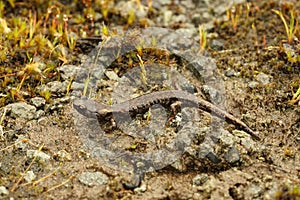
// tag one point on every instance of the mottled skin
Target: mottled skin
(141, 104)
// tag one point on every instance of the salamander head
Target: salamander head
(85, 107)
(90, 108)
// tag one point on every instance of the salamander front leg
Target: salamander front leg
(107, 122)
(175, 108)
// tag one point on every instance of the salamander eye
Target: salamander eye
(82, 107)
(79, 106)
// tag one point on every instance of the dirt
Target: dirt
(251, 54)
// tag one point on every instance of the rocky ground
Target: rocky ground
(248, 67)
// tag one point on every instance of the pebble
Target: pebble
(253, 84)
(204, 150)
(140, 189)
(217, 45)
(249, 145)
(58, 87)
(112, 75)
(179, 18)
(68, 71)
(22, 110)
(232, 155)
(167, 17)
(199, 179)
(213, 94)
(196, 18)
(125, 8)
(65, 99)
(178, 165)
(93, 178)
(288, 49)
(220, 7)
(29, 176)
(134, 183)
(76, 86)
(63, 155)
(3, 191)
(263, 78)
(213, 157)
(41, 156)
(254, 191)
(202, 67)
(230, 72)
(20, 143)
(38, 102)
(225, 138)
(165, 2)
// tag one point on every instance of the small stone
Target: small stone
(298, 138)
(212, 93)
(165, 2)
(191, 151)
(254, 191)
(249, 145)
(232, 155)
(197, 18)
(140, 189)
(241, 134)
(68, 71)
(62, 155)
(93, 178)
(98, 17)
(199, 66)
(253, 84)
(199, 179)
(29, 176)
(177, 165)
(38, 101)
(263, 78)
(77, 86)
(204, 150)
(135, 182)
(289, 50)
(22, 110)
(65, 99)
(3, 191)
(167, 16)
(21, 143)
(217, 45)
(58, 87)
(179, 18)
(225, 138)
(213, 157)
(267, 178)
(140, 164)
(126, 7)
(39, 114)
(41, 156)
(220, 7)
(230, 72)
(112, 75)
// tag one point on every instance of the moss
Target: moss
(288, 192)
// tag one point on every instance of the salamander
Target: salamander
(142, 103)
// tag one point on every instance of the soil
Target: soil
(259, 82)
